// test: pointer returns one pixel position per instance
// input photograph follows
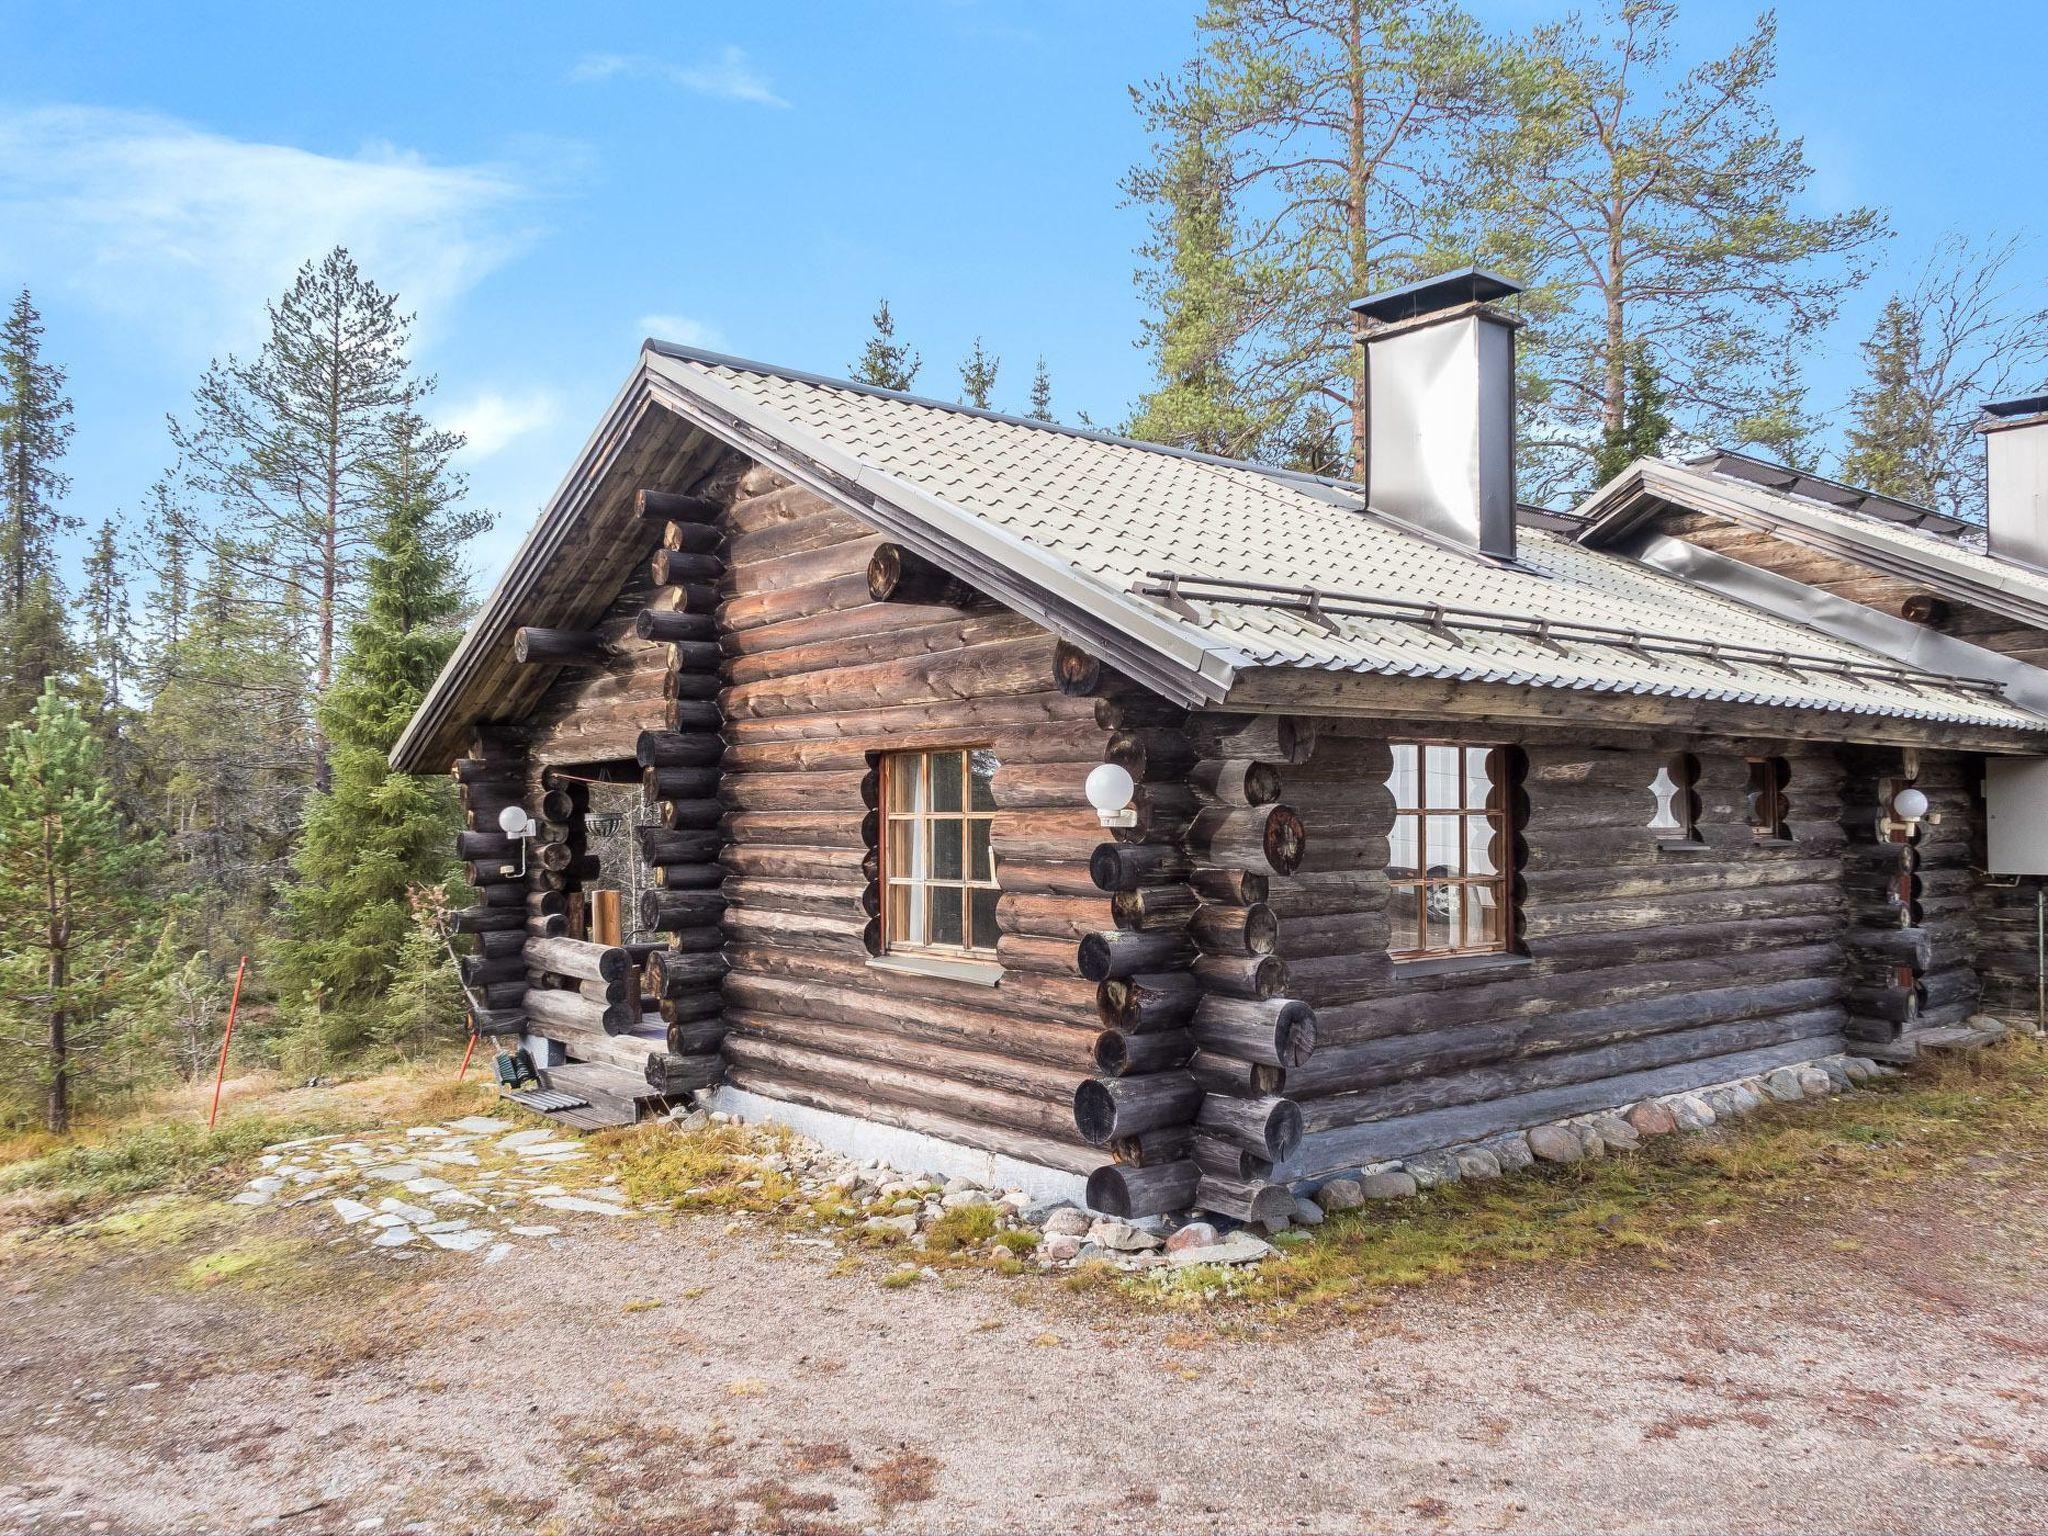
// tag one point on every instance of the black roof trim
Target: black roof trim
(1446, 290)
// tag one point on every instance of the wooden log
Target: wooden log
(674, 974)
(479, 771)
(558, 805)
(505, 941)
(688, 716)
(500, 994)
(1124, 1191)
(1266, 836)
(550, 925)
(497, 1021)
(666, 911)
(1273, 738)
(533, 646)
(552, 1008)
(676, 749)
(607, 992)
(689, 877)
(1255, 977)
(1251, 1200)
(1271, 1127)
(1281, 1031)
(669, 845)
(1897, 946)
(1078, 675)
(1227, 1160)
(695, 1008)
(680, 565)
(691, 657)
(682, 783)
(1127, 866)
(685, 572)
(488, 848)
(1153, 908)
(1151, 1149)
(1228, 1075)
(1127, 1106)
(575, 957)
(1220, 930)
(1121, 1055)
(506, 893)
(695, 1037)
(1231, 783)
(1131, 710)
(678, 816)
(675, 507)
(478, 970)
(899, 575)
(667, 626)
(1152, 754)
(1229, 886)
(1144, 1004)
(687, 784)
(669, 1074)
(487, 919)
(1118, 953)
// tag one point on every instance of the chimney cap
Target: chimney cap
(2031, 405)
(1446, 290)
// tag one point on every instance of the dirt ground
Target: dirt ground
(1868, 1371)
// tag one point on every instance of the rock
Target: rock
(1307, 1212)
(1589, 1140)
(1556, 1144)
(847, 1182)
(1723, 1102)
(964, 1199)
(1814, 1083)
(1338, 1195)
(1650, 1118)
(1783, 1085)
(1859, 1069)
(526, 1138)
(1429, 1169)
(1510, 1151)
(1122, 1237)
(351, 1211)
(1476, 1163)
(960, 1185)
(589, 1207)
(467, 1241)
(1196, 1234)
(1068, 1221)
(1692, 1112)
(1616, 1134)
(392, 1237)
(405, 1211)
(1061, 1246)
(396, 1173)
(1238, 1248)
(1837, 1074)
(1389, 1184)
(476, 1125)
(898, 1226)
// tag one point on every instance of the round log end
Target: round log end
(520, 647)
(1107, 1191)
(1112, 1053)
(1295, 1038)
(1261, 929)
(1106, 867)
(871, 936)
(1283, 1130)
(650, 910)
(1261, 784)
(1272, 1203)
(1285, 839)
(1094, 957)
(1094, 1112)
(1074, 671)
(885, 572)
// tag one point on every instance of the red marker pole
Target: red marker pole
(220, 1073)
(465, 1058)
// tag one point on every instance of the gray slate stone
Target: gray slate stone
(1390, 1184)
(1238, 1248)
(1068, 1221)
(1556, 1144)
(1341, 1195)
(1783, 1085)
(1476, 1163)
(1307, 1212)
(1510, 1151)
(1430, 1169)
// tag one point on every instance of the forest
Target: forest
(198, 700)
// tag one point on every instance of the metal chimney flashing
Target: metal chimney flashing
(2015, 436)
(1429, 295)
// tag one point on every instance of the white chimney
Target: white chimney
(1440, 393)
(2016, 479)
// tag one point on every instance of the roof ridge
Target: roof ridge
(704, 356)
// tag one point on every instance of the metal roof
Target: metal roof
(1445, 290)
(1069, 526)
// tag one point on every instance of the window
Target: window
(1448, 857)
(938, 875)
(1675, 789)
(1769, 810)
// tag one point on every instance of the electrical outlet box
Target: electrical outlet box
(2016, 815)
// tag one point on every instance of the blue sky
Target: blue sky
(546, 184)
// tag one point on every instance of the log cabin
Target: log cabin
(1132, 824)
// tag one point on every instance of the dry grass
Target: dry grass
(1982, 1112)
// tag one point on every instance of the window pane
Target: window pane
(1482, 918)
(1440, 852)
(981, 787)
(979, 865)
(1440, 917)
(1482, 845)
(983, 904)
(946, 771)
(1402, 932)
(902, 775)
(902, 851)
(948, 854)
(946, 915)
(1401, 848)
(1403, 779)
(1480, 778)
(903, 916)
(1440, 777)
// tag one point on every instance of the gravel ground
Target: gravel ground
(1870, 1371)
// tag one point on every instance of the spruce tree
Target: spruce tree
(1041, 393)
(1888, 442)
(35, 428)
(71, 895)
(377, 834)
(288, 448)
(978, 376)
(885, 361)
(1643, 426)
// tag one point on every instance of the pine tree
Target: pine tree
(70, 894)
(35, 428)
(1041, 393)
(1643, 426)
(885, 362)
(377, 835)
(978, 376)
(1887, 440)
(288, 447)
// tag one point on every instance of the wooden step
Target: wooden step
(1942, 1037)
(606, 1087)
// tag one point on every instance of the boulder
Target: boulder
(1815, 1083)
(1556, 1144)
(1060, 1246)
(1429, 1169)
(1196, 1234)
(1650, 1118)
(1238, 1248)
(1307, 1212)
(1858, 1068)
(1388, 1184)
(1616, 1133)
(1122, 1237)
(1510, 1151)
(1068, 1221)
(1784, 1086)
(1341, 1195)
(1476, 1163)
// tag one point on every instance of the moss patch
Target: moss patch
(716, 1168)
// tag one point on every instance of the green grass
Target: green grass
(1675, 1192)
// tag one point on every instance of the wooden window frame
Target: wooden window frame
(1769, 808)
(923, 819)
(1500, 811)
(1683, 769)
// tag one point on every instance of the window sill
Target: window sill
(980, 973)
(1459, 965)
(1775, 842)
(1683, 845)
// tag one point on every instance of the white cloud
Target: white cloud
(493, 420)
(187, 232)
(681, 330)
(730, 77)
